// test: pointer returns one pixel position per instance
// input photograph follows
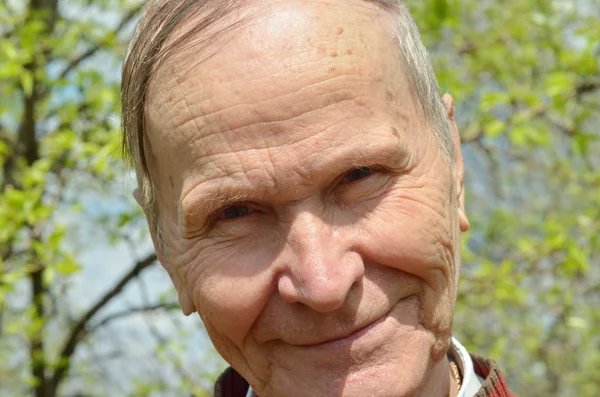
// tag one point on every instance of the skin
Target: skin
(308, 213)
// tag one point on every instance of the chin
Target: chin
(384, 381)
(396, 369)
(378, 381)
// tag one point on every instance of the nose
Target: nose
(321, 270)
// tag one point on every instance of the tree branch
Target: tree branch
(92, 50)
(586, 87)
(78, 331)
(36, 341)
(177, 366)
(115, 316)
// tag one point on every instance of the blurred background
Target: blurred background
(85, 310)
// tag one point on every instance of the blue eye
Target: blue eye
(235, 211)
(357, 174)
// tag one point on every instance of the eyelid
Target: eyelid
(215, 214)
(374, 168)
(349, 172)
(371, 185)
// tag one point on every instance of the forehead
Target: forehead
(289, 76)
(256, 49)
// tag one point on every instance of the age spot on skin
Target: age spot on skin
(339, 30)
(333, 54)
(389, 95)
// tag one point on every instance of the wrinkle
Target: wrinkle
(421, 201)
(272, 121)
(279, 97)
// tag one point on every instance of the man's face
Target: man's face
(305, 207)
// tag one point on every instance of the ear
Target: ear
(458, 164)
(185, 300)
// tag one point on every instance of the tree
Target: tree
(525, 76)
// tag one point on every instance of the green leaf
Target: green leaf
(15, 199)
(492, 99)
(529, 135)
(577, 261)
(577, 322)
(56, 237)
(49, 276)
(441, 8)
(9, 50)
(67, 266)
(495, 128)
(27, 82)
(559, 83)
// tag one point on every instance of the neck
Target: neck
(441, 382)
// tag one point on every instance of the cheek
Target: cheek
(411, 230)
(230, 284)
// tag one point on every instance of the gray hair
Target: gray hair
(148, 49)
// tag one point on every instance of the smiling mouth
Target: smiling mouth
(349, 338)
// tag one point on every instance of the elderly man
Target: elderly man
(303, 184)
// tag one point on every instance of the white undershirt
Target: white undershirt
(471, 382)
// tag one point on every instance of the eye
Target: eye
(233, 212)
(357, 174)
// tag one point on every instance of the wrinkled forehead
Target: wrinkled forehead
(271, 30)
(288, 71)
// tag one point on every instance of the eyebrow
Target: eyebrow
(204, 199)
(208, 200)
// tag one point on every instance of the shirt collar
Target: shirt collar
(471, 382)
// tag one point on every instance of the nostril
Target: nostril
(288, 290)
(355, 266)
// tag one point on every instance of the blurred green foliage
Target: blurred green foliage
(525, 76)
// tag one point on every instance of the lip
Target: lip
(351, 338)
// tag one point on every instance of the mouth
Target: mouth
(349, 338)
(376, 330)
